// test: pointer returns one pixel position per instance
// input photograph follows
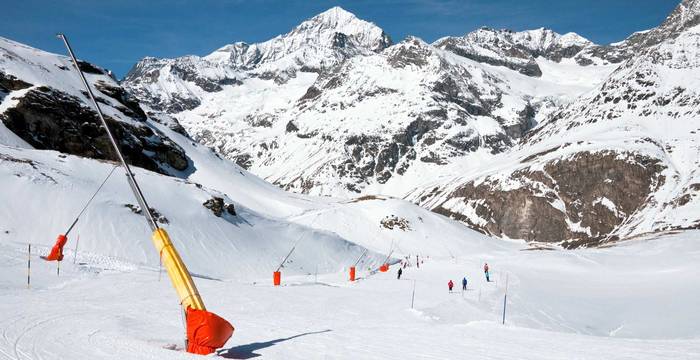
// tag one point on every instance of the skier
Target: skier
(464, 284)
(450, 285)
(486, 272)
(417, 262)
(400, 272)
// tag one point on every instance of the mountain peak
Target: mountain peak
(338, 20)
(335, 15)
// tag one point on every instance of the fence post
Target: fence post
(75, 253)
(505, 297)
(413, 294)
(29, 264)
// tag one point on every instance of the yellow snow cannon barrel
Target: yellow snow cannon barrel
(206, 331)
(177, 271)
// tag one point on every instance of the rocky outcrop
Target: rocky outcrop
(392, 222)
(218, 206)
(578, 200)
(49, 119)
(156, 215)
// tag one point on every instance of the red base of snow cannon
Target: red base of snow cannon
(352, 273)
(384, 268)
(276, 278)
(206, 331)
(56, 253)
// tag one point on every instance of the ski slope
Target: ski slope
(633, 301)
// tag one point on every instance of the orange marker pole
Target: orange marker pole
(352, 273)
(276, 278)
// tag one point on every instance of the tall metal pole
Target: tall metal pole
(505, 298)
(361, 256)
(29, 265)
(130, 176)
(413, 294)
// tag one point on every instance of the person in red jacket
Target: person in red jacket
(486, 272)
(450, 285)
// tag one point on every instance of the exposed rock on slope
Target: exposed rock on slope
(45, 106)
(580, 199)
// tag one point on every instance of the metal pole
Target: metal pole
(360, 258)
(58, 268)
(160, 265)
(285, 258)
(505, 298)
(130, 176)
(75, 253)
(413, 295)
(29, 264)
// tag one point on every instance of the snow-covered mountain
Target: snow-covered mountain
(226, 222)
(319, 43)
(621, 160)
(516, 50)
(683, 17)
(415, 120)
(365, 115)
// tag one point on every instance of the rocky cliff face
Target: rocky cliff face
(579, 199)
(43, 105)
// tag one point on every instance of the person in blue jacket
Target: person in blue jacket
(464, 284)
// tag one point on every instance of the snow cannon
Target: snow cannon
(384, 268)
(276, 278)
(352, 273)
(56, 253)
(206, 331)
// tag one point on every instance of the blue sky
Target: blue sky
(116, 34)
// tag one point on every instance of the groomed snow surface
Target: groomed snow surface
(637, 300)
